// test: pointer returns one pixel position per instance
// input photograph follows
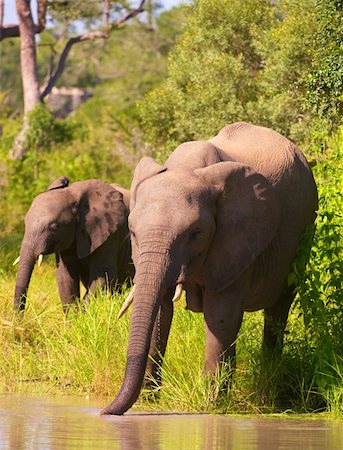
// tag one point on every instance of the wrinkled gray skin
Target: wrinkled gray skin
(224, 218)
(85, 225)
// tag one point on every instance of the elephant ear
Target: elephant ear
(59, 183)
(146, 168)
(247, 219)
(101, 211)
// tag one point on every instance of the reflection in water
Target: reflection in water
(28, 422)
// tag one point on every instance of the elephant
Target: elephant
(85, 225)
(220, 219)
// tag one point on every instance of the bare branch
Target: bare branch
(130, 15)
(107, 14)
(41, 14)
(90, 36)
(12, 30)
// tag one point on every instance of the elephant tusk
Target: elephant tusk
(178, 292)
(127, 303)
(40, 259)
(16, 261)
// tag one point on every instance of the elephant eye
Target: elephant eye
(195, 235)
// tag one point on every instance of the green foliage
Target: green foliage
(211, 72)
(10, 79)
(325, 77)
(74, 9)
(44, 130)
(321, 291)
(25, 178)
(248, 61)
(61, 354)
(323, 299)
(284, 51)
(169, 25)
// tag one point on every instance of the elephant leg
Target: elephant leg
(67, 280)
(158, 344)
(103, 268)
(275, 320)
(102, 277)
(223, 315)
(99, 282)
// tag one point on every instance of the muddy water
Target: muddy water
(28, 422)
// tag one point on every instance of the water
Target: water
(29, 422)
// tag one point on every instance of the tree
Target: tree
(325, 77)
(28, 58)
(285, 51)
(244, 61)
(26, 30)
(212, 72)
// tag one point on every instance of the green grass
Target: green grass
(48, 352)
(84, 354)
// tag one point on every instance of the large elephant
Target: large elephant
(85, 225)
(221, 219)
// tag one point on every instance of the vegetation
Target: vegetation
(102, 139)
(258, 64)
(234, 61)
(325, 78)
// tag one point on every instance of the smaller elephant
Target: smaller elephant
(85, 225)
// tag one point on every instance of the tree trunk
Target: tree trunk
(28, 55)
(29, 73)
(2, 13)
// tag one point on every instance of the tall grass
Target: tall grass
(47, 351)
(84, 354)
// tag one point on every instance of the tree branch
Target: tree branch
(12, 30)
(41, 14)
(90, 36)
(130, 15)
(107, 14)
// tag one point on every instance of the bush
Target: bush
(325, 76)
(320, 293)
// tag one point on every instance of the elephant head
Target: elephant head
(195, 228)
(82, 215)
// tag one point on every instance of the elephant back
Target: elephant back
(194, 155)
(266, 151)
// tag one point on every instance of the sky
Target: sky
(11, 15)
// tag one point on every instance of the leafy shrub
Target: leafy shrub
(44, 130)
(321, 291)
(212, 73)
(325, 75)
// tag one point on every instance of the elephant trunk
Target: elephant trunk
(26, 265)
(151, 287)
